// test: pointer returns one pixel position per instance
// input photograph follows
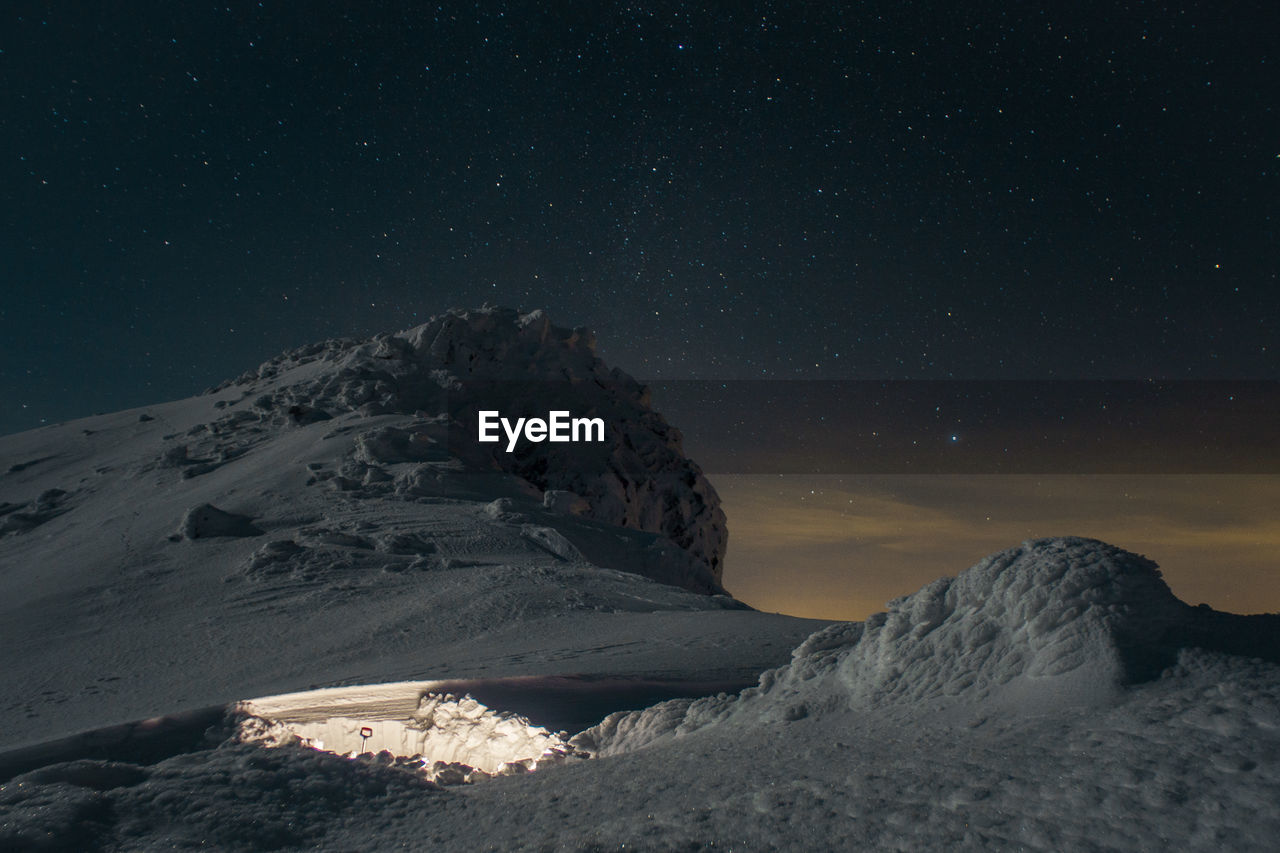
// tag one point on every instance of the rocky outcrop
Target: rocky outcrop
(206, 521)
(441, 373)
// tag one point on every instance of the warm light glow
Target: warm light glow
(840, 547)
(416, 726)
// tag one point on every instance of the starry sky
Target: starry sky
(741, 191)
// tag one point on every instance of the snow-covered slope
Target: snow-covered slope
(327, 519)
(1053, 697)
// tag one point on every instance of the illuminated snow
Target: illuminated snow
(407, 720)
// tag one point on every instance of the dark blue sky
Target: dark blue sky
(768, 190)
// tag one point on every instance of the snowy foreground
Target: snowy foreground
(293, 613)
(1017, 706)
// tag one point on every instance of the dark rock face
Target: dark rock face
(442, 373)
(206, 521)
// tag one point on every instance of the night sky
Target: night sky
(743, 191)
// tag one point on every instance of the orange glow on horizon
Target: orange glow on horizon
(840, 547)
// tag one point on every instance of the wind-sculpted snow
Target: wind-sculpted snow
(1063, 619)
(1050, 625)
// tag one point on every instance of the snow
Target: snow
(238, 544)
(1048, 626)
(405, 720)
(312, 535)
(926, 727)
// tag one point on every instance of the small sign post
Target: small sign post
(365, 734)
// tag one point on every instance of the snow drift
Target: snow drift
(1050, 625)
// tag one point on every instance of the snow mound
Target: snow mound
(440, 374)
(1050, 625)
(1079, 614)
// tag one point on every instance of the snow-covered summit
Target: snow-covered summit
(442, 371)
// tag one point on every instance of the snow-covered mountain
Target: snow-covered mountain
(328, 518)
(316, 555)
(445, 370)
